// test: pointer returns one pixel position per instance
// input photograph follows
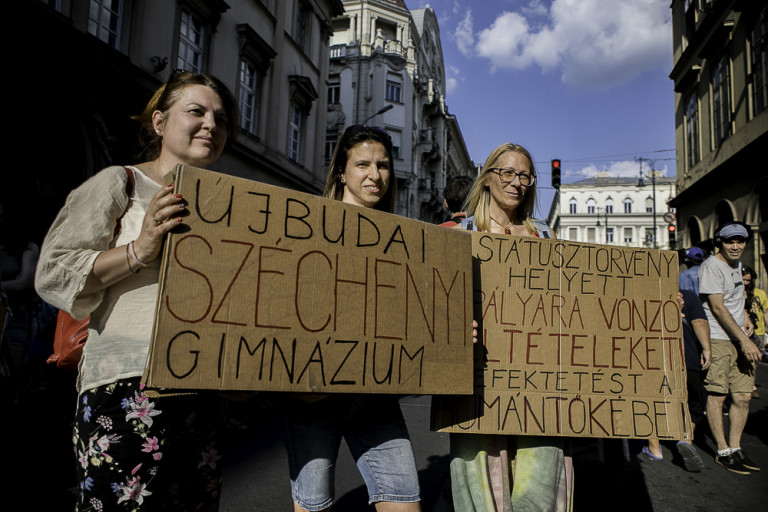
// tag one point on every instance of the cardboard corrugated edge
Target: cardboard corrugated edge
(175, 177)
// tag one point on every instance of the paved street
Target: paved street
(609, 475)
(40, 466)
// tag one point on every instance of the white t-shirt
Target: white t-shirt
(717, 277)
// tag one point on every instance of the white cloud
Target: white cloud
(504, 43)
(535, 8)
(452, 78)
(464, 35)
(592, 43)
(620, 169)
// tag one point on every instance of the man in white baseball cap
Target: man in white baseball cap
(733, 353)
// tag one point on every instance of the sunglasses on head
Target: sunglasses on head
(360, 128)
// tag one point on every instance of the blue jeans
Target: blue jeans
(375, 431)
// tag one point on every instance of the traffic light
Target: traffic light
(556, 173)
(672, 236)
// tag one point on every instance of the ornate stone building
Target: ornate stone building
(88, 65)
(613, 211)
(385, 58)
(721, 97)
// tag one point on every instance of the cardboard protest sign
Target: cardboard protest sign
(577, 340)
(264, 288)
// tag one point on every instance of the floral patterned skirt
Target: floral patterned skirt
(140, 453)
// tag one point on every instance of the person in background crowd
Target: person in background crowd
(689, 279)
(454, 195)
(18, 260)
(502, 200)
(697, 351)
(756, 306)
(733, 353)
(137, 452)
(372, 425)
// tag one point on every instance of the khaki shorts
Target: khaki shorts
(724, 375)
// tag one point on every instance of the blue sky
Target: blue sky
(586, 81)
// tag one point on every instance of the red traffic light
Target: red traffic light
(555, 173)
(672, 228)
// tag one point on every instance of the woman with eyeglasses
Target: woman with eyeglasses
(373, 427)
(101, 258)
(484, 466)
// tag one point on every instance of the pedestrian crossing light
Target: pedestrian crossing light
(672, 236)
(556, 173)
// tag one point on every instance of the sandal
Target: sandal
(651, 457)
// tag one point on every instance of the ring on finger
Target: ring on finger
(156, 220)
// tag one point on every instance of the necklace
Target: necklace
(507, 230)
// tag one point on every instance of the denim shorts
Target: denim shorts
(375, 431)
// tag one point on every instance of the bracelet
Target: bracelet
(128, 260)
(135, 258)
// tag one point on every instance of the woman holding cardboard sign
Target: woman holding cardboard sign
(101, 258)
(372, 425)
(484, 466)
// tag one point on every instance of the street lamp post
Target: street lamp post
(385, 108)
(598, 208)
(641, 183)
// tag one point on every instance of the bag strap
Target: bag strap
(129, 186)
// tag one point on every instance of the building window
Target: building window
(104, 20)
(249, 97)
(53, 4)
(396, 142)
(759, 61)
(303, 95)
(627, 235)
(649, 205)
(572, 206)
(330, 146)
(649, 237)
(627, 205)
(255, 59)
(294, 135)
(590, 205)
(393, 90)
(591, 234)
(303, 20)
(573, 234)
(191, 42)
(721, 105)
(689, 27)
(608, 235)
(334, 94)
(609, 205)
(692, 130)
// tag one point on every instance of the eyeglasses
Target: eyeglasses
(508, 175)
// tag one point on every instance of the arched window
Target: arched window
(649, 205)
(609, 205)
(627, 205)
(590, 205)
(572, 205)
